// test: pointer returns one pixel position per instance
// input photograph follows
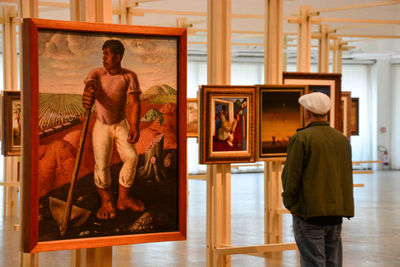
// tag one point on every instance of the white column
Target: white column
(304, 40)
(218, 176)
(324, 49)
(273, 41)
(384, 97)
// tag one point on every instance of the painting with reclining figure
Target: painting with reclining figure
(109, 150)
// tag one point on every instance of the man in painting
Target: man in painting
(318, 184)
(109, 88)
(225, 132)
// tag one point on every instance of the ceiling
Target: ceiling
(371, 27)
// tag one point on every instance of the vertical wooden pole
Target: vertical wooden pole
(9, 14)
(337, 56)
(324, 49)
(273, 202)
(10, 69)
(30, 260)
(76, 258)
(273, 41)
(219, 42)
(92, 11)
(125, 16)
(273, 75)
(218, 176)
(304, 40)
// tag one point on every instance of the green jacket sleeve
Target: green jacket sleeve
(292, 173)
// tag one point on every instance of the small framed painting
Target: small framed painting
(354, 121)
(12, 121)
(192, 117)
(279, 116)
(327, 83)
(227, 124)
(345, 113)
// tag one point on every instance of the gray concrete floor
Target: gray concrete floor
(371, 238)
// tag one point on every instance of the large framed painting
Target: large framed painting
(104, 141)
(12, 120)
(227, 124)
(192, 127)
(345, 113)
(354, 119)
(327, 83)
(279, 116)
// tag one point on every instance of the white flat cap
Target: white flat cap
(318, 103)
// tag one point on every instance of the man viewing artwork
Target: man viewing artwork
(109, 88)
(318, 184)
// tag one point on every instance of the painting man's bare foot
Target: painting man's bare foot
(107, 209)
(127, 202)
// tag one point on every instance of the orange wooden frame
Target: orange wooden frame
(30, 143)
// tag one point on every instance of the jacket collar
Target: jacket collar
(316, 123)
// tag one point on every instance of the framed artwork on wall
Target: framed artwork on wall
(345, 113)
(279, 116)
(105, 137)
(354, 119)
(227, 124)
(328, 83)
(192, 117)
(12, 121)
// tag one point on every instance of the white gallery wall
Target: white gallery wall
(395, 138)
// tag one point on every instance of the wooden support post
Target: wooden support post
(324, 49)
(218, 176)
(92, 11)
(10, 69)
(90, 257)
(125, 12)
(273, 202)
(29, 260)
(273, 41)
(337, 56)
(304, 40)
(219, 42)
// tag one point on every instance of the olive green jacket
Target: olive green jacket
(317, 178)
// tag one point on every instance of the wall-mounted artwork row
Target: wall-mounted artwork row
(105, 135)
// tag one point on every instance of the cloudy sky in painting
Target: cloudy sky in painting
(65, 59)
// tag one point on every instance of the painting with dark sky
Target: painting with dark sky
(326, 89)
(280, 118)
